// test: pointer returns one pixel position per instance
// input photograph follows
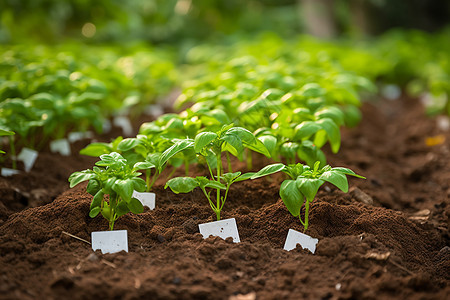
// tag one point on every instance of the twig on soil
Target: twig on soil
(75, 237)
(401, 267)
(104, 261)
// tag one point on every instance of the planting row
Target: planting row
(286, 111)
(47, 94)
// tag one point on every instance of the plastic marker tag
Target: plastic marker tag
(6, 172)
(110, 241)
(61, 146)
(125, 124)
(154, 110)
(223, 228)
(147, 199)
(106, 126)
(28, 157)
(76, 136)
(294, 237)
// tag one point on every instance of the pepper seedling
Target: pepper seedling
(304, 182)
(209, 146)
(114, 177)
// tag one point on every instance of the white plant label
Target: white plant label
(79, 135)
(61, 146)
(9, 172)
(125, 124)
(28, 157)
(154, 110)
(294, 237)
(223, 228)
(110, 241)
(106, 126)
(147, 199)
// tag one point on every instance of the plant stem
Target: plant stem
(209, 200)
(249, 159)
(219, 167)
(155, 176)
(171, 173)
(112, 207)
(186, 166)
(225, 198)
(13, 152)
(147, 179)
(229, 163)
(306, 215)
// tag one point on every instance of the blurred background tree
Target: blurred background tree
(169, 21)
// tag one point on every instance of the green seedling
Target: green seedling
(304, 182)
(112, 176)
(209, 147)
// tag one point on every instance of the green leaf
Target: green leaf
(269, 141)
(6, 132)
(332, 113)
(259, 147)
(97, 200)
(235, 142)
(215, 185)
(312, 90)
(106, 211)
(94, 211)
(268, 170)
(347, 172)
(110, 159)
(96, 149)
(124, 187)
(135, 206)
(78, 177)
(179, 146)
(93, 187)
(122, 208)
(309, 187)
(292, 197)
(181, 184)
(139, 184)
(229, 177)
(333, 133)
(244, 176)
(143, 165)
(127, 144)
(203, 139)
(305, 129)
(243, 134)
(336, 178)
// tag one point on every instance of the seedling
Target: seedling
(114, 177)
(209, 146)
(304, 182)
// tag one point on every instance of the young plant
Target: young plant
(304, 182)
(114, 177)
(209, 146)
(5, 133)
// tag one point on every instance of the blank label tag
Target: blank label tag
(147, 199)
(61, 146)
(294, 237)
(77, 136)
(9, 172)
(125, 124)
(110, 241)
(223, 228)
(28, 157)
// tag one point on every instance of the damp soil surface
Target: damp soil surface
(387, 238)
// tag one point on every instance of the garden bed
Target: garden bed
(397, 247)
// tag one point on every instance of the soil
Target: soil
(387, 238)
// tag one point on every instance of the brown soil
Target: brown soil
(395, 248)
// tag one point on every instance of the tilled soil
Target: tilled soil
(387, 238)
